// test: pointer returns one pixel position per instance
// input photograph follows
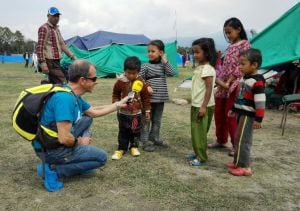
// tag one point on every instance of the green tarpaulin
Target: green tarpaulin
(109, 60)
(280, 42)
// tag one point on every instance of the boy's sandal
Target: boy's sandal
(239, 171)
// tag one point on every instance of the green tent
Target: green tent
(280, 42)
(109, 60)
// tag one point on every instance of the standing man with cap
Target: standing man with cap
(50, 46)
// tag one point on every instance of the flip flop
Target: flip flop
(197, 162)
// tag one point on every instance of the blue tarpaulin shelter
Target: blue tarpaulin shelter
(102, 39)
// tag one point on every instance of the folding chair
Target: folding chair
(287, 101)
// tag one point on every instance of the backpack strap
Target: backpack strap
(45, 134)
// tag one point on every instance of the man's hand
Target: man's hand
(84, 140)
(256, 125)
(45, 69)
(123, 102)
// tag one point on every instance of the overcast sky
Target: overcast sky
(153, 18)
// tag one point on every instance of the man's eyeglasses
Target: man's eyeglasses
(94, 79)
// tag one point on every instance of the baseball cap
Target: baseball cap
(53, 11)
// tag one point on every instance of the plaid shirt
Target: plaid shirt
(50, 43)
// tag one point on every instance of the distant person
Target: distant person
(194, 63)
(203, 103)
(34, 61)
(68, 117)
(183, 60)
(289, 82)
(155, 74)
(26, 56)
(49, 47)
(130, 117)
(249, 108)
(227, 83)
(187, 60)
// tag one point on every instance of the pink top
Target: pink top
(231, 67)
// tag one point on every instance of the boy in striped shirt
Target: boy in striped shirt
(250, 108)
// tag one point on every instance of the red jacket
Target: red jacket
(141, 100)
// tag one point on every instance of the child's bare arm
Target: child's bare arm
(256, 125)
(222, 84)
(208, 93)
(228, 82)
(258, 90)
(169, 71)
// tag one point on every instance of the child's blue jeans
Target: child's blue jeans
(153, 133)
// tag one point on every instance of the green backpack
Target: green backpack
(30, 103)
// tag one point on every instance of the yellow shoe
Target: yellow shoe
(117, 155)
(134, 152)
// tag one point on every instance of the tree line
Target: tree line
(184, 50)
(14, 42)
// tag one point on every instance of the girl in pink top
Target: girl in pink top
(227, 81)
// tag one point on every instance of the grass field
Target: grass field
(161, 180)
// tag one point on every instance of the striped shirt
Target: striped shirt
(251, 99)
(155, 75)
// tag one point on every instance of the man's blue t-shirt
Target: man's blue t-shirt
(63, 106)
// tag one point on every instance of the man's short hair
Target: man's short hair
(79, 68)
(132, 63)
(253, 55)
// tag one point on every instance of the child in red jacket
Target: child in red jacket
(130, 117)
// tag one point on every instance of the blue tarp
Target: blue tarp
(102, 38)
(13, 59)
